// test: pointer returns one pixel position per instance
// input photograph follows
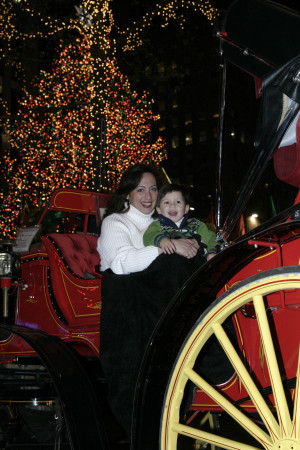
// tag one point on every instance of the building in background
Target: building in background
(181, 69)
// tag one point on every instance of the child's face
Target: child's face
(173, 206)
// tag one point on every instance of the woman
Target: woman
(138, 284)
(129, 214)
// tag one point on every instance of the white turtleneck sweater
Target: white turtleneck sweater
(120, 244)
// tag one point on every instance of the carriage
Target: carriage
(222, 366)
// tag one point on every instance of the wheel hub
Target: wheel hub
(286, 444)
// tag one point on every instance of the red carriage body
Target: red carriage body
(60, 283)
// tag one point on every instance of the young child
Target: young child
(173, 206)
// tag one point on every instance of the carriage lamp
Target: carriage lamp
(6, 268)
(5, 264)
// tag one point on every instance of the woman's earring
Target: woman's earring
(126, 203)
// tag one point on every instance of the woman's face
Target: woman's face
(144, 196)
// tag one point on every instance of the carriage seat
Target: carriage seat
(74, 277)
(78, 252)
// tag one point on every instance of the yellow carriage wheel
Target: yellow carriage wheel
(280, 430)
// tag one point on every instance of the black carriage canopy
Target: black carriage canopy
(260, 35)
(262, 38)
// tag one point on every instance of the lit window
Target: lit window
(175, 141)
(188, 120)
(188, 139)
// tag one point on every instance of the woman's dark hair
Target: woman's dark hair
(129, 181)
(172, 188)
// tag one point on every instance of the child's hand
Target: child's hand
(210, 256)
(167, 246)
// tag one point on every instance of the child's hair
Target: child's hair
(171, 188)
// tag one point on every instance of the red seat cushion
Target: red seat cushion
(78, 251)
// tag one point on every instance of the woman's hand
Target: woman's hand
(186, 247)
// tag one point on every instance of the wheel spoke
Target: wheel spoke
(274, 373)
(212, 439)
(296, 414)
(238, 416)
(256, 397)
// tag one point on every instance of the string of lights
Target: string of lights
(97, 17)
(167, 11)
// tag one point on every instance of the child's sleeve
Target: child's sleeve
(153, 235)
(150, 233)
(209, 237)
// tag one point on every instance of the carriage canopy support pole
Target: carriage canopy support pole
(219, 190)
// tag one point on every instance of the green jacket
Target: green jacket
(189, 228)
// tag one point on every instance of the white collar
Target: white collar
(134, 212)
(179, 222)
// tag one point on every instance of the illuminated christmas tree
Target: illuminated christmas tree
(129, 118)
(53, 138)
(57, 139)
